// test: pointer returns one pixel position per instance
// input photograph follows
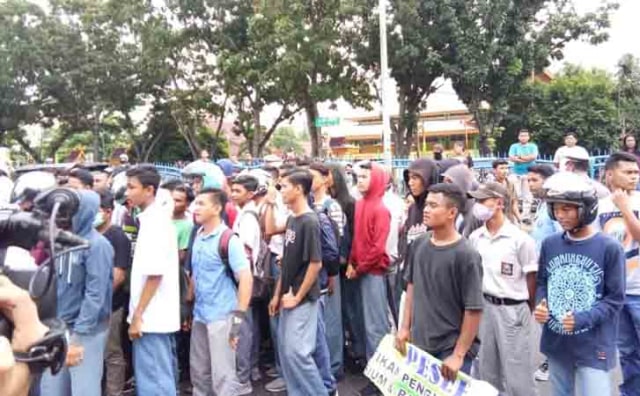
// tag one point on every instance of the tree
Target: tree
(417, 57)
(286, 139)
(496, 45)
(576, 98)
(628, 93)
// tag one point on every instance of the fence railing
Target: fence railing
(596, 163)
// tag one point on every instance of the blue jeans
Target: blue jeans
(352, 312)
(321, 354)
(273, 320)
(564, 376)
(154, 364)
(248, 345)
(373, 294)
(629, 346)
(84, 379)
(297, 331)
(334, 330)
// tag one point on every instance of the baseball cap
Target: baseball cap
(489, 190)
(579, 154)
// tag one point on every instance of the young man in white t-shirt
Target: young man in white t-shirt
(154, 307)
(570, 149)
(618, 217)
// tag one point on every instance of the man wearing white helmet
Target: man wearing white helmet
(578, 162)
(580, 291)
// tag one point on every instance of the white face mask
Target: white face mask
(98, 220)
(481, 212)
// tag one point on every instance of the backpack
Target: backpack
(261, 269)
(330, 240)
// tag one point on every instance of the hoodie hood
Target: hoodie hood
(426, 169)
(83, 220)
(461, 177)
(378, 183)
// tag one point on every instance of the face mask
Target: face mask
(98, 220)
(482, 213)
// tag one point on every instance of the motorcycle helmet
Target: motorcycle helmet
(29, 185)
(569, 188)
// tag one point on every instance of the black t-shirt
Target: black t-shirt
(121, 259)
(447, 280)
(301, 246)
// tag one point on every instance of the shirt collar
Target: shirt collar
(221, 227)
(507, 230)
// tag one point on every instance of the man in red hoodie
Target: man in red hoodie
(369, 260)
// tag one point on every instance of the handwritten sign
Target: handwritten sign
(417, 374)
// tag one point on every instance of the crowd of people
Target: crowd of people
(296, 271)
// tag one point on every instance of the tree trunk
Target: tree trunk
(95, 131)
(311, 110)
(404, 136)
(256, 136)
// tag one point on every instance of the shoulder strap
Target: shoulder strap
(223, 250)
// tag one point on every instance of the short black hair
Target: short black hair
(524, 130)
(216, 196)
(545, 171)
(249, 182)
(83, 175)
(179, 186)
(499, 162)
(146, 174)
(580, 165)
(452, 193)
(615, 158)
(302, 178)
(571, 131)
(320, 168)
(106, 199)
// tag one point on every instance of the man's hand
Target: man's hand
(75, 354)
(289, 301)
(620, 198)
(274, 306)
(402, 336)
(135, 328)
(237, 318)
(569, 322)
(541, 313)
(19, 309)
(451, 365)
(331, 284)
(351, 272)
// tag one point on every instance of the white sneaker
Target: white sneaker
(277, 385)
(542, 373)
(272, 373)
(245, 389)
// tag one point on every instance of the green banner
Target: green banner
(326, 121)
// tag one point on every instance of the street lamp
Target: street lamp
(384, 71)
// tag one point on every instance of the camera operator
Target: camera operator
(16, 305)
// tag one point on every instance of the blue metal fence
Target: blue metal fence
(596, 162)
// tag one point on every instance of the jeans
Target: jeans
(321, 354)
(154, 364)
(352, 313)
(297, 331)
(373, 294)
(248, 345)
(115, 364)
(84, 379)
(334, 329)
(273, 320)
(629, 346)
(524, 194)
(564, 376)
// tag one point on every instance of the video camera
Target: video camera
(52, 209)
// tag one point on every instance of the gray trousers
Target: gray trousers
(506, 352)
(212, 361)
(115, 365)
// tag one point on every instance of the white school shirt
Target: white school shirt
(156, 253)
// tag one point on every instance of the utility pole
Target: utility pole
(384, 76)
